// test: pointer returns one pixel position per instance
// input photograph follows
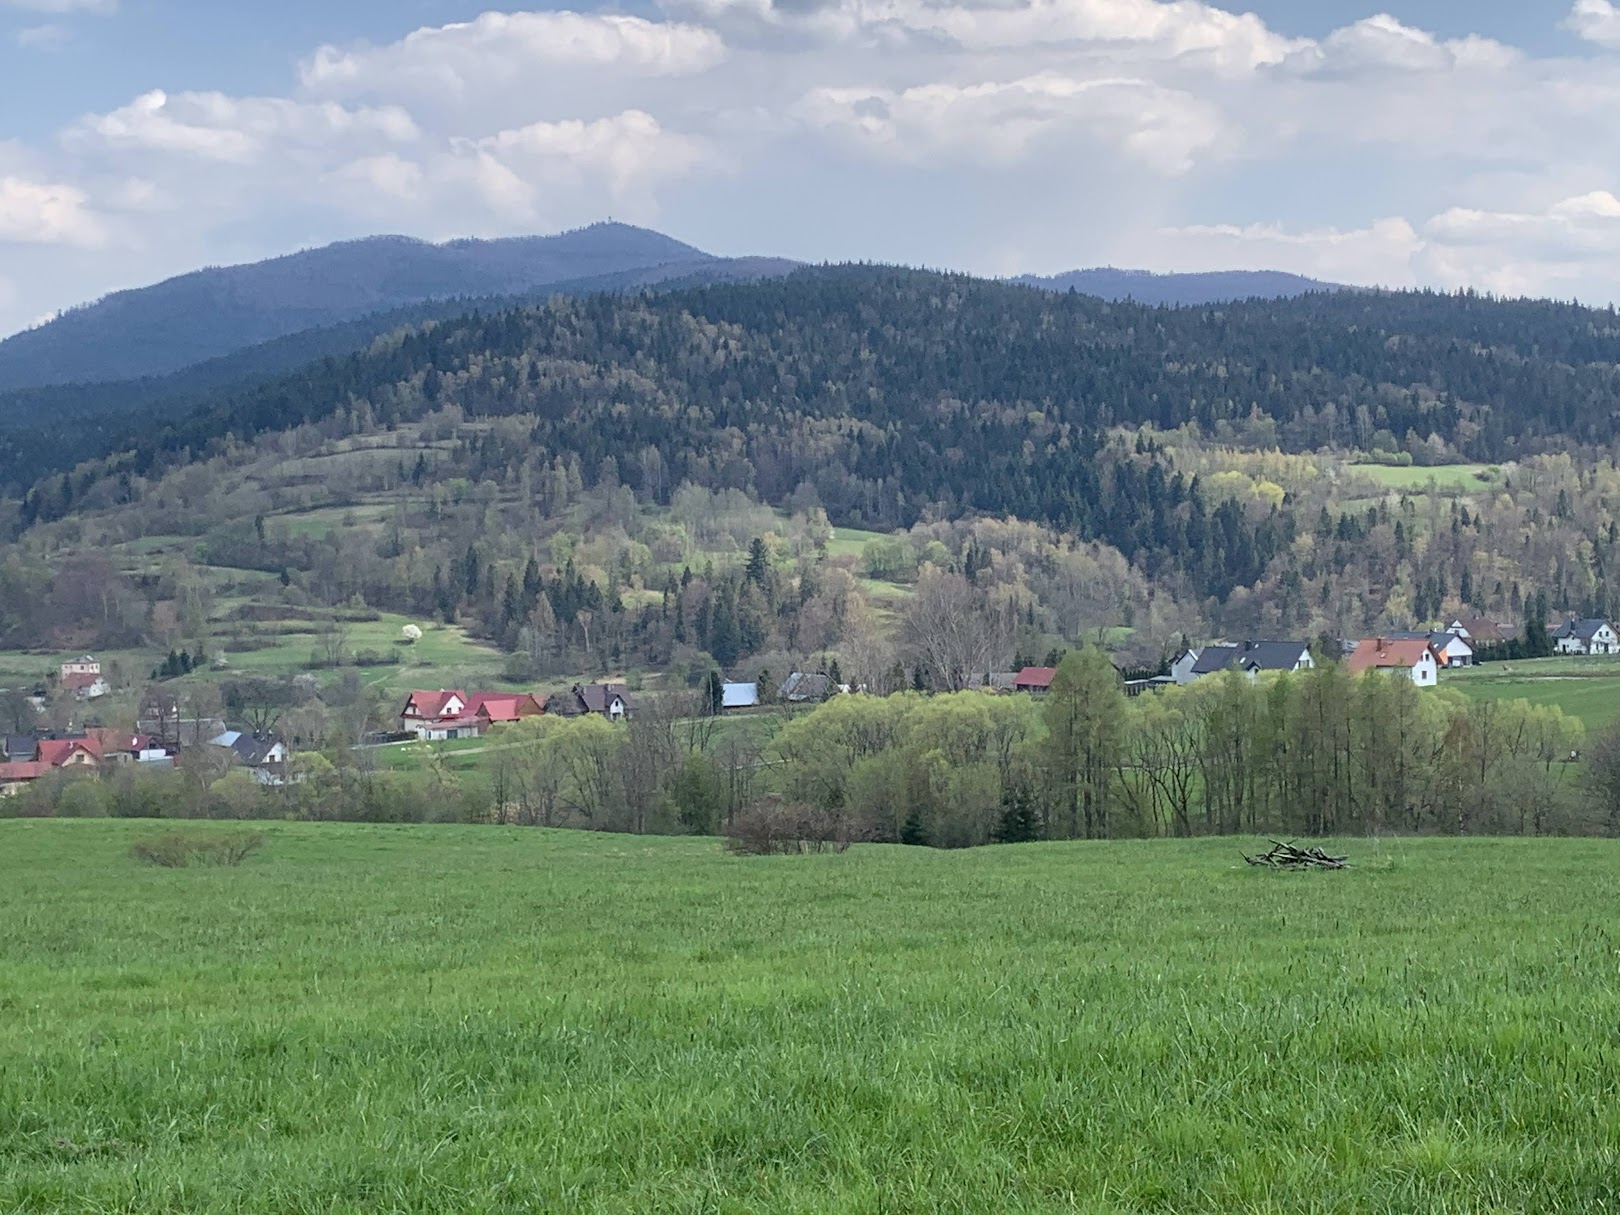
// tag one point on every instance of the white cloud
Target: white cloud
(980, 133)
(43, 37)
(1384, 44)
(1568, 247)
(1597, 21)
(45, 213)
(213, 126)
(1002, 123)
(1378, 255)
(499, 51)
(1180, 27)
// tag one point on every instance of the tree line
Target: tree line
(1316, 753)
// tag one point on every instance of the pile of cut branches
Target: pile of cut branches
(1287, 856)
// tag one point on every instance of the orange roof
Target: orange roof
(1383, 653)
(30, 770)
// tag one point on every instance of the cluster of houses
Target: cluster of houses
(451, 713)
(29, 757)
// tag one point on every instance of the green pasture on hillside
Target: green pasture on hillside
(1463, 478)
(440, 1019)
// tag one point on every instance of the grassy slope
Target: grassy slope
(479, 1020)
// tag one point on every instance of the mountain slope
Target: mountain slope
(200, 316)
(176, 392)
(891, 395)
(1145, 287)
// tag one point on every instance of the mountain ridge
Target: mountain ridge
(216, 312)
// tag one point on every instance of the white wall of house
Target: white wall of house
(1426, 672)
(1181, 670)
(1605, 641)
(1458, 653)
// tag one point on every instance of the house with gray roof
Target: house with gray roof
(1249, 657)
(1586, 637)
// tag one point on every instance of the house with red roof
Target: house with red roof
(1413, 657)
(496, 708)
(451, 713)
(1037, 681)
(15, 777)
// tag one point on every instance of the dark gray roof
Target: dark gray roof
(1250, 656)
(252, 750)
(801, 686)
(598, 697)
(1584, 630)
(20, 747)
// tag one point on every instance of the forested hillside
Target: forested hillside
(155, 330)
(582, 477)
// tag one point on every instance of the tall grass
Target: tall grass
(487, 1020)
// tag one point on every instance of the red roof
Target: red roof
(505, 706)
(430, 705)
(30, 770)
(56, 752)
(78, 681)
(1384, 653)
(1035, 677)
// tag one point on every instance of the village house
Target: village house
(1250, 657)
(497, 708)
(609, 700)
(1450, 650)
(739, 696)
(1412, 657)
(451, 713)
(804, 688)
(263, 757)
(84, 679)
(1587, 637)
(1035, 681)
(87, 665)
(1478, 631)
(50, 755)
(122, 747)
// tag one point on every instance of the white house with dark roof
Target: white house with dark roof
(1586, 637)
(1250, 657)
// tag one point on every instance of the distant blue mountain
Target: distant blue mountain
(153, 331)
(1145, 287)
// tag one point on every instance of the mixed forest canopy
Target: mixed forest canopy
(557, 475)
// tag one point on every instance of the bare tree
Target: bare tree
(952, 629)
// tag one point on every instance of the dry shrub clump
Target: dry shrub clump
(181, 849)
(772, 828)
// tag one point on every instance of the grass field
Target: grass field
(415, 1019)
(1462, 478)
(1587, 688)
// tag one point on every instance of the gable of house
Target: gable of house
(69, 752)
(435, 706)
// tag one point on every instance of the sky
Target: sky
(1422, 143)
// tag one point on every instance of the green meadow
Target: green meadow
(1587, 688)
(1446, 478)
(425, 1019)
